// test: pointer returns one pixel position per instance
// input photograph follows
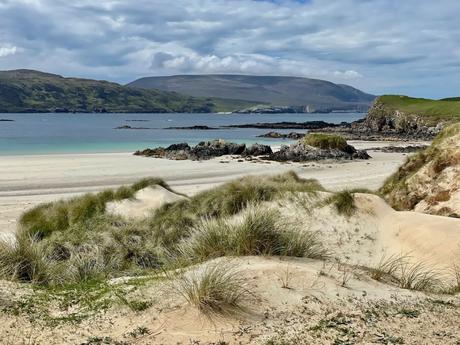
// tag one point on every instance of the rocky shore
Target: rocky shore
(288, 125)
(298, 152)
(205, 150)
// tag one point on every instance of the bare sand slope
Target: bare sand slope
(26, 181)
(377, 231)
(144, 202)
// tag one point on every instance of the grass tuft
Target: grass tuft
(343, 202)
(216, 289)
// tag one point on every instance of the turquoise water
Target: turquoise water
(92, 133)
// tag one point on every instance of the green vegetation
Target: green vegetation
(257, 232)
(326, 141)
(344, 202)
(32, 91)
(76, 241)
(45, 219)
(431, 110)
(403, 272)
(216, 289)
(396, 189)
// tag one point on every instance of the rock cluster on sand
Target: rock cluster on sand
(301, 152)
(298, 152)
(205, 150)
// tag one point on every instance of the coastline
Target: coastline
(28, 180)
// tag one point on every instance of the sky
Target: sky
(380, 46)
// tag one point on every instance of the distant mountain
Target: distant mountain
(33, 91)
(310, 94)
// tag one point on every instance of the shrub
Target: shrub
(326, 141)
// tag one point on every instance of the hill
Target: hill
(395, 115)
(33, 91)
(310, 94)
(430, 111)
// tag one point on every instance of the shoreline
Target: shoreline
(28, 180)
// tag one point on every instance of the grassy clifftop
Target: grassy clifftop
(33, 91)
(431, 110)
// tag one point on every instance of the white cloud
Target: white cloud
(7, 50)
(409, 46)
(350, 74)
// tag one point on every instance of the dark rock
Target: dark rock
(299, 152)
(257, 150)
(129, 127)
(400, 149)
(216, 148)
(201, 128)
(277, 135)
(287, 125)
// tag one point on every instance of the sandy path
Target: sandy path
(28, 180)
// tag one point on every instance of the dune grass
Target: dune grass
(44, 219)
(343, 202)
(215, 289)
(406, 273)
(396, 188)
(258, 231)
(73, 241)
(326, 141)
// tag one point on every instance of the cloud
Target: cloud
(409, 46)
(7, 50)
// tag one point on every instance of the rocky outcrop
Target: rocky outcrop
(288, 125)
(257, 150)
(384, 119)
(277, 135)
(130, 127)
(429, 181)
(205, 150)
(300, 152)
(197, 127)
(385, 122)
(399, 149)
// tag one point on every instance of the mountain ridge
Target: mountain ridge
(27, 90)
(274, 90)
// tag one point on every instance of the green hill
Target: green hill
(33, 91)
(431, 111)
(273, 90)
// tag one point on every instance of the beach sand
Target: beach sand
(26, 181)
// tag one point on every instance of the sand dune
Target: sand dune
(26, 181)
(144, 202)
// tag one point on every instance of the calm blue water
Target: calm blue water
(89, 133)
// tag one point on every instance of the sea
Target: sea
(35, 134)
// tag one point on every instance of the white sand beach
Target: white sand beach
(27, 180)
